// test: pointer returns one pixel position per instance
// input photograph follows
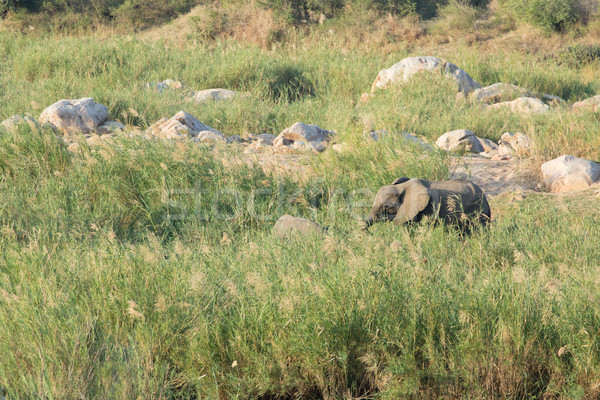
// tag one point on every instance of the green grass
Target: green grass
(147, 269)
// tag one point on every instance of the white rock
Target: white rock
(204, 96)
(522, 105)
(288, 225)
(515, 144)
(13, 123)
(302, 137)
(460, 140)
(499, 92)
(568, 173)
(340, 147)
(487, 144)
(110, 127)
(181, 126)
(166, 84)
(75, 116)
(591, 104)
(403, 71)
(209, 137)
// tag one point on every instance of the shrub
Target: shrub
(5, 6)
(577, 55)
(550, 15)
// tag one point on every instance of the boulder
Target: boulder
(591, 104)
(514, 144)
(552, 100)
(75, 116)
(209, 137)
(207, 95)
(261, 142)
(403, 71)
(288, 225)
(499, 92)
(234, 139)
(568, 173)
(460, 140)
(523, 105)
(302, 137)
(181, 126)
(110, 127)
(164, 85)
(487, 144)
(16, 121)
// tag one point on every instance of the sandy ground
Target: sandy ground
(497, 177)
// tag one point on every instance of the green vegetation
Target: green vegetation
(550, 15)
(579, 55)
(147, 268)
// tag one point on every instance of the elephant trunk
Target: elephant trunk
(370, 220)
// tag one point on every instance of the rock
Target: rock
(162, 86)
(591, 104)
(265, 138)
(340, 147)
(209, 137)
(487, 144)
(93, 140)
(514, 144)
(204, 96)
(460, 140)
(568, 173)
(75, 116)
(182, 125)
(234, 139)
(552, 100)
(310, 137)
(261, 142)
(499, 92)
(110, 127)
(16, 121)
(403, 71)
(73, 147)
(523, 105)
(288, 225)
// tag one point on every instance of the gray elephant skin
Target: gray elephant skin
(458, 202)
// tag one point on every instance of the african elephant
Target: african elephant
(458, 202)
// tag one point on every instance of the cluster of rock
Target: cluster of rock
(497, 96)
(463, 140)
(74, 118)
(201, 96)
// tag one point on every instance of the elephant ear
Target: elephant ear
(416, 198)
(400, 180)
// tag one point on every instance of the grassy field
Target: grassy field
(148, 269)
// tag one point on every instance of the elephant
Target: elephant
(456, 202)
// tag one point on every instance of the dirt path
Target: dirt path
(497, 177)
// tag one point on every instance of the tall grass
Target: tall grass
(147, 269)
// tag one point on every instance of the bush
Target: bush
(5, 6)
(578, 55)
(550, 15)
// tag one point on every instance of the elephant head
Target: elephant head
(405, 200)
